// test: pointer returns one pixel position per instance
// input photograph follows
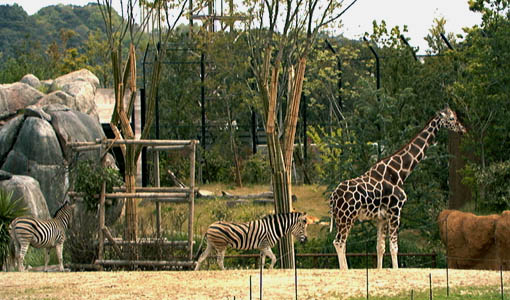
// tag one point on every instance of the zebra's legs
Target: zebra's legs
(59, 247)
(46, 258)
(221, 256)
(20, 255)
(267, 251)
(203, 256)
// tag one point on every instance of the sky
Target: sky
(418, 15)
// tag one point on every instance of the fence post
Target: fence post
(157, 184)
(261, 267)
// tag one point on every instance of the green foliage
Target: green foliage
(256, 170)
(490, 185)
(89, 179)
(10, 209)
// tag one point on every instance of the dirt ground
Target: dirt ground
(277, 284)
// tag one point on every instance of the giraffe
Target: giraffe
(378, 194)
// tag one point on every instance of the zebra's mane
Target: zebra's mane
(282, 214)
(60, 208)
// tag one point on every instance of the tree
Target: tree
(124, 78)
(281, 36)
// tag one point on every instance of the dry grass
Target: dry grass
(311, 199)
(277, 284)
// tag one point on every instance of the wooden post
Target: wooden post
(191, 198)
(100, 254)
(157, 184)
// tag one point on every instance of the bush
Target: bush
(89, 179)
(490, 185)
(10, 209)
(256, 170)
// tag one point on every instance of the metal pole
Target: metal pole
(142, 119)
(202, 96)
(501, 279)
(447, 278)
(295, 272)
(377, 66)
(445, 40)
(254, 130)
(409, 46)
(250, 287)
(192, 157)
(430, 286)
(144, 149)
(157, 99)
(339, 68)
(261, 267)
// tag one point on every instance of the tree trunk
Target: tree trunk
(131, 203)
(280, 158)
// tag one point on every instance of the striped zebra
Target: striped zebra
(261, 234)
(39, 233)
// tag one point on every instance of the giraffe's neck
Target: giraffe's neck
(397, 167)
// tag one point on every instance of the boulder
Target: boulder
(37, 153)
(8, 134)
(28, 189)
(74, 126)
(475, 242)
(502, 237)
(81, 85)
(16, 96)
(31, 80)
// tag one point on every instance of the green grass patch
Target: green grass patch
(464, 293)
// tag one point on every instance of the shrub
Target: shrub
(89, 179)
(256, 170)
(10, 209)
(490, 185)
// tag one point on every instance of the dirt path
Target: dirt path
(277, 284)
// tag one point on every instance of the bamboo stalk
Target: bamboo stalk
(109, 236)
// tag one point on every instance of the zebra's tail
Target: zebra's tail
(197, 255)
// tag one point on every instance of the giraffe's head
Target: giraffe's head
(448, 119)
(299, 229)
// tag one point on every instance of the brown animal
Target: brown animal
(475, 242)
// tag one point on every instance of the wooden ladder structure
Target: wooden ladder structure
(156, 194)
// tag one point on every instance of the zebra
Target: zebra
(260, 234)
(38, 233)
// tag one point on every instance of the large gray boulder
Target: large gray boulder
(16, 96)
(82, 86)
(37, 153)
(28, 189)
(8, 134)
(36, 128)
(31, 80)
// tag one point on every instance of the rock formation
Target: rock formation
(476, 242)
(37, 127)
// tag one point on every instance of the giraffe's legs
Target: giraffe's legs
(393, 231)
(382, 227)
(340, 243)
